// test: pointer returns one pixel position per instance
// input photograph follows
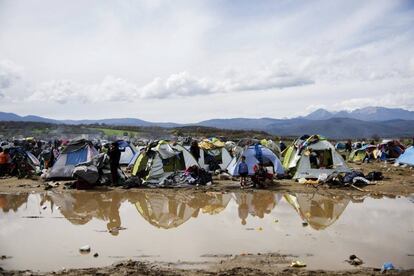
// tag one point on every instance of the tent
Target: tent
(160, 160)
(76, 152)
(254, 155)
(312, 156)
(272, 146)
(407, 157)
(358, 155)
(213, 151)
(29, 157)
(390, 149)
(128, 152)
(318, 210)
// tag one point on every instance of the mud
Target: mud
(267, 264)
(397, 181)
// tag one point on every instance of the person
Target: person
(282, 146)
(348, 146)
(195, 149)
(4, 161)
(260, 175)
(243, 172)
(114, 157)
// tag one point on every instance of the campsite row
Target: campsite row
(166, 163)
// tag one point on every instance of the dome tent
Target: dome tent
(160, 160)
(255, 154)
(407, 157)
(312, 156)
(128, 152)
(213, 149)
(76, 152)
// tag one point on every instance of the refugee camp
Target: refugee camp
(206, 137)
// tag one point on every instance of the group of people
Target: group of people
(258, 179)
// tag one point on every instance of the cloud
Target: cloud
(277, 75)
(10, 75)
(181, 84)
(397, 100)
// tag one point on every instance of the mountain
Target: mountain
(239, 123)
(342, 128)
(370, 113)
(359, 123)
(120, 122)
(4, 116)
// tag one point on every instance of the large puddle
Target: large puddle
(44, 231)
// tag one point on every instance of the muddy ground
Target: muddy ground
(266, 264)
(398, 181)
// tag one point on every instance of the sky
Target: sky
(188, 61)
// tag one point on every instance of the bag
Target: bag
(351, 175)
(373, 176)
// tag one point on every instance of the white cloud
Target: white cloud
(181, 84)
(10, 74)
(396, 100)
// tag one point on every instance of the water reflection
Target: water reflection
(318, 210)
(12, 202)
(256, 204)
(80, 208)
(169, 209)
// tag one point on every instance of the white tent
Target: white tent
(313, 157)
(128, 152)
(253, 154)
(221, 155)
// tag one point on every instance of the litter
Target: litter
(297, 264)
(85, 249)
(387, 266)
(354, 260)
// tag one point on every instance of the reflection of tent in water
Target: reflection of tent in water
(12, 202)
(256, 204)
(168, 210)
(80, 208)
(318, 210)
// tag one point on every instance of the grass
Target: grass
(116, 132)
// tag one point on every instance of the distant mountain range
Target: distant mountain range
(370, 113)
(364, 122)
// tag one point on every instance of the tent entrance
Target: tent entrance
(174, 163)
(321, 159)
(214, 154)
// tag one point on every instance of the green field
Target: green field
(116, 132)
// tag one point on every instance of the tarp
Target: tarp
(209, 144)
(407, 157)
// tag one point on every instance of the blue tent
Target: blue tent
(254, 155)
(407, 157)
